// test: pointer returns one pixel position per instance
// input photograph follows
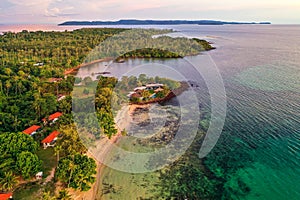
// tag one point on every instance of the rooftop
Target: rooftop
(31, 129)
(54, 116)
(51, 137)
(5, 196)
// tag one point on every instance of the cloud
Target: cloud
(59, 12)
(29, 2)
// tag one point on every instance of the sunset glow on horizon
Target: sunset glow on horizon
(57, 11)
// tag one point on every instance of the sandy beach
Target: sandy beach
(104, 145)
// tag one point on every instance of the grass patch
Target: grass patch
(28, 191)
(49, 160)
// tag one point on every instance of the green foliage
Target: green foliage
(48, 196)
(15, 143)
(65, 105)
(28, 164)
(141, 43)
(206, 45)
(103, 103)
(76, 171)
(17, 153)
(64, 195)
(69, 143)
(54, 49)
(8, 181)
(27, 60)
(151, 53)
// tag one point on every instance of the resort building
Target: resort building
(6, 196)
(138, 91)
(50, 140)
(39, 176)
(154, 86)
(53, 118)
(32, 130)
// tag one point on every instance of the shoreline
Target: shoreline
(105, 145)
(122, 122)
(75, 69)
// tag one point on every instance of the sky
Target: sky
(57, 11)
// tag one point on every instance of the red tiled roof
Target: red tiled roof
(53, 116)
(5, 196)
(31, 129)
(51, 137)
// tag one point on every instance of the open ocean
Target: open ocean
(259, 148)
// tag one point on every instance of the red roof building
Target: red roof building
(5, 196)
(50, 139)
(32, 130)
(53, 117)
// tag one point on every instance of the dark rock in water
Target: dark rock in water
(193, 84)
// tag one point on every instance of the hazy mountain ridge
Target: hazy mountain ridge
(154, 22)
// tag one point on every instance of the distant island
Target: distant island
(153, 22)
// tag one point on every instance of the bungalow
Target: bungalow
(50, 140)
(32, 130)
(39, 176)
(6, 196)
(140, 88)
(138, 91)
(53, 118)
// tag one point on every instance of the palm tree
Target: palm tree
(47, 196)
(71, 168)
(8, 182)
(8, 85)
(16, 123)
(8, 162)
(57, 150)
(1, 87)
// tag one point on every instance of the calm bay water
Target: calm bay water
(259, 149)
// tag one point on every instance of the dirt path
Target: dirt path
(51, 176)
